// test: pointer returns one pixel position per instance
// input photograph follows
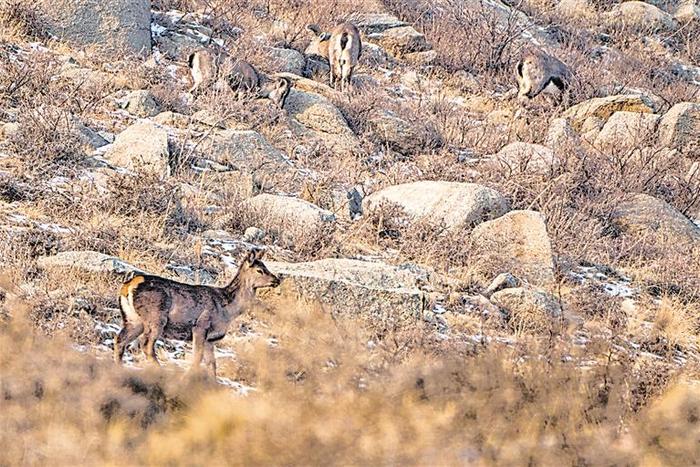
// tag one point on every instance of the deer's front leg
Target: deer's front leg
(199, 337)
(209, 360)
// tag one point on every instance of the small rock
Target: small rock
(505, 280)
(646, 217)
(643, 16)
(253, 235)
(604, 107)
(293, 219)
(287, 60)
(680, 129)
(401, 41)
(528, 157)
(141, 147)
(142, 104)
(530, 310)
(517, 242)
(371, 23)
(625, 131)
(87, 261)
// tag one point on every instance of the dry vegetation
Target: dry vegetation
(345, 390)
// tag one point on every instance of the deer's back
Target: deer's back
(179, 304)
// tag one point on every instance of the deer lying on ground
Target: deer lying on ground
(159, 307)
(537, 70)
(207, 68)
(342, 48)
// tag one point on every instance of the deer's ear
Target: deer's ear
(314, 28)
(259, 254)
(250, 257)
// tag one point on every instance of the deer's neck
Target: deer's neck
(239, 296)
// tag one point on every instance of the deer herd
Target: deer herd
(156, 307)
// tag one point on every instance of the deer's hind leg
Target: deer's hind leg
(126, 336)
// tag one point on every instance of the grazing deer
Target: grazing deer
(204, 67)
(342, 47)
(537, 70)
(243, 79)
(159, 307)
(207, 68)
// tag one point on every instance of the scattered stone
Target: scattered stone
(373, 290)
(117, 27)
(517, 242)
(561, 136)
(447, 204)
(429, 57)
(604, 107)
(142, 104)
(680, 129)
(646, 217)
(141, 147)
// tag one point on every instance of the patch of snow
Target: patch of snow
(157, 30)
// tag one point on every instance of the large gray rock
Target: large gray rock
(643, 16)
(141, 147)
(113, 26)
(654, 220)
(360, 288)
(604, 107)
(401, 41)
(528, 157)
(517, 242)
(680, 128)
(86, 261)
(443, 204)
(625, 131)
(293, 219)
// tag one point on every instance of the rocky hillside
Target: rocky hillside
(469, 277)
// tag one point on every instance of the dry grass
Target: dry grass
(338, 390)
(326, 396)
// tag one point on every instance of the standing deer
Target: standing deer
(342, 47)
(159, 307)
(537, 70)
(207, 68)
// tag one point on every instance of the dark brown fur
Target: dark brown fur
(159, 307)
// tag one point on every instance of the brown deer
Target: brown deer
(342, 47)
(537, 70)
(207, 69)
(159, 307)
